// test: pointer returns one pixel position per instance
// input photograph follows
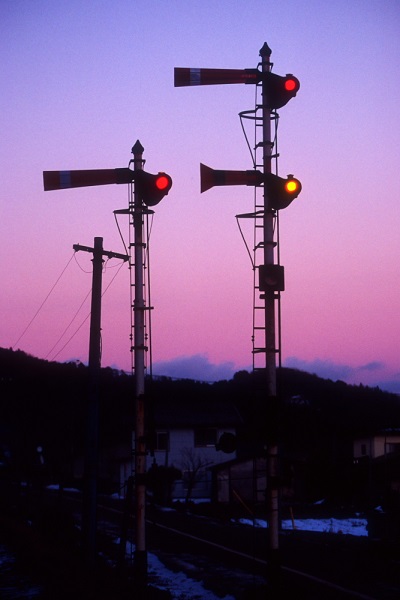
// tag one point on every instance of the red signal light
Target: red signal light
(278, 90)
(162, 182)
(290, 85)
(150, 188)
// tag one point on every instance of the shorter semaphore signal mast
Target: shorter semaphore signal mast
(146, 190)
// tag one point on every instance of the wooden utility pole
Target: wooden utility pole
(89, 517)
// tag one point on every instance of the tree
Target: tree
(160, 481)
(193, 465)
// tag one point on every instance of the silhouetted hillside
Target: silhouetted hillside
(43, 405)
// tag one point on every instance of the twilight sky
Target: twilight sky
(82, 81)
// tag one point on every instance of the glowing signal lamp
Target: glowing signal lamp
(290, 84)
(162, 182)
(281, 192)
(150, 188)
(278, 90)
(291, 185)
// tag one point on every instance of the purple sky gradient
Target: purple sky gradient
(81, 82)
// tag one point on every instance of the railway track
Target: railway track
(229, 570)
(230, 559)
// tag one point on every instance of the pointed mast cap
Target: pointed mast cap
(265, 50)
(137, 148)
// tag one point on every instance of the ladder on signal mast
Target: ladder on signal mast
(259, 341)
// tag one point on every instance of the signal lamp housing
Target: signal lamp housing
(150, 188)
(271, 277)
(281, 192)
(278, 90)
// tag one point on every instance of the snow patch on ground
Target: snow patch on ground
(355, 526)
(178, 584)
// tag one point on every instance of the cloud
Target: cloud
(323, 368)
(196, 367)
(374, 373)
(371, 366)
(199, 367)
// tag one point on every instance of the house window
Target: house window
(392, 447)
(162, 440)
(363, 449)
(205, 437)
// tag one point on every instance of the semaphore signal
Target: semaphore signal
(186, 77)
(62, 180)
(147, 189)
(211, 177)
(281, 191)
(278, 193)
(150, 188)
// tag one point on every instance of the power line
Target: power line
(69, 324)
(83, 322)
(43, 303)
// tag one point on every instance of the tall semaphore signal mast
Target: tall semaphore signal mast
(278, 193)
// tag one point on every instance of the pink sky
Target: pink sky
(81, 82)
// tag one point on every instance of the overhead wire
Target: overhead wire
(112, 280)
(80, 267)
(43, 303)
(85, 319)
(69, 325)
(72, 337)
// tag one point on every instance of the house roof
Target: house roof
(184, 412)
(381, 433)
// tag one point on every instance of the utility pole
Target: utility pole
(89, 517)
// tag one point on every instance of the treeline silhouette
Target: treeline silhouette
(43, 412)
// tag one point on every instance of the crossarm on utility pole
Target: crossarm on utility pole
(78, 247)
